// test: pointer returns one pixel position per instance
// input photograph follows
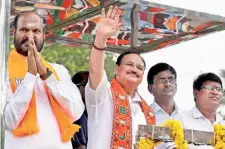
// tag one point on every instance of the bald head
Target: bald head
(29, 15)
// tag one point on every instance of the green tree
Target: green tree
(74, 59)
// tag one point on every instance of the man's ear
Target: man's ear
(14, 31)
(195, 93)
(150, 88)
(44, 36)
(116, 69)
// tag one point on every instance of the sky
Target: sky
(204, 54)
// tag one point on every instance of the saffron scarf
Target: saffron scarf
(122, 120)
(17, 68)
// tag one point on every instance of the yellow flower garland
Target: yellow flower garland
(147, 143)
(177, 134)
(219, 131)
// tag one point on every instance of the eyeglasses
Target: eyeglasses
(212, 88)
(171, 80)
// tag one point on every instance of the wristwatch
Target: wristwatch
(44, 77)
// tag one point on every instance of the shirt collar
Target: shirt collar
(156, 108)
(197, 114)
(219, 119)
(136, 98)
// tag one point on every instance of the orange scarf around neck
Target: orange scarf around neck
(17, 68)
(122, 119)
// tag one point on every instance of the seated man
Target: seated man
(80, 138)
(208, 91)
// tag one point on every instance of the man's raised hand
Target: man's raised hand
(109, 23)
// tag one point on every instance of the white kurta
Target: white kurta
(100, 115)
(194, 119)
(161, 117)
(68, 97)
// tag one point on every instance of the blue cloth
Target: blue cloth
(81, 137)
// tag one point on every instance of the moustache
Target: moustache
(168, 89)
(214, 97)
(134, 73)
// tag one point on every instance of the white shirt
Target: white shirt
(99, 105)
(67, 95)
(194, 119)
(161, 117)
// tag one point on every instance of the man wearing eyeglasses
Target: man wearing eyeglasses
(163, 86)
(208, 92)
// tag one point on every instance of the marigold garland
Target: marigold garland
(177, 134)
(219, 131)
(147, 143)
